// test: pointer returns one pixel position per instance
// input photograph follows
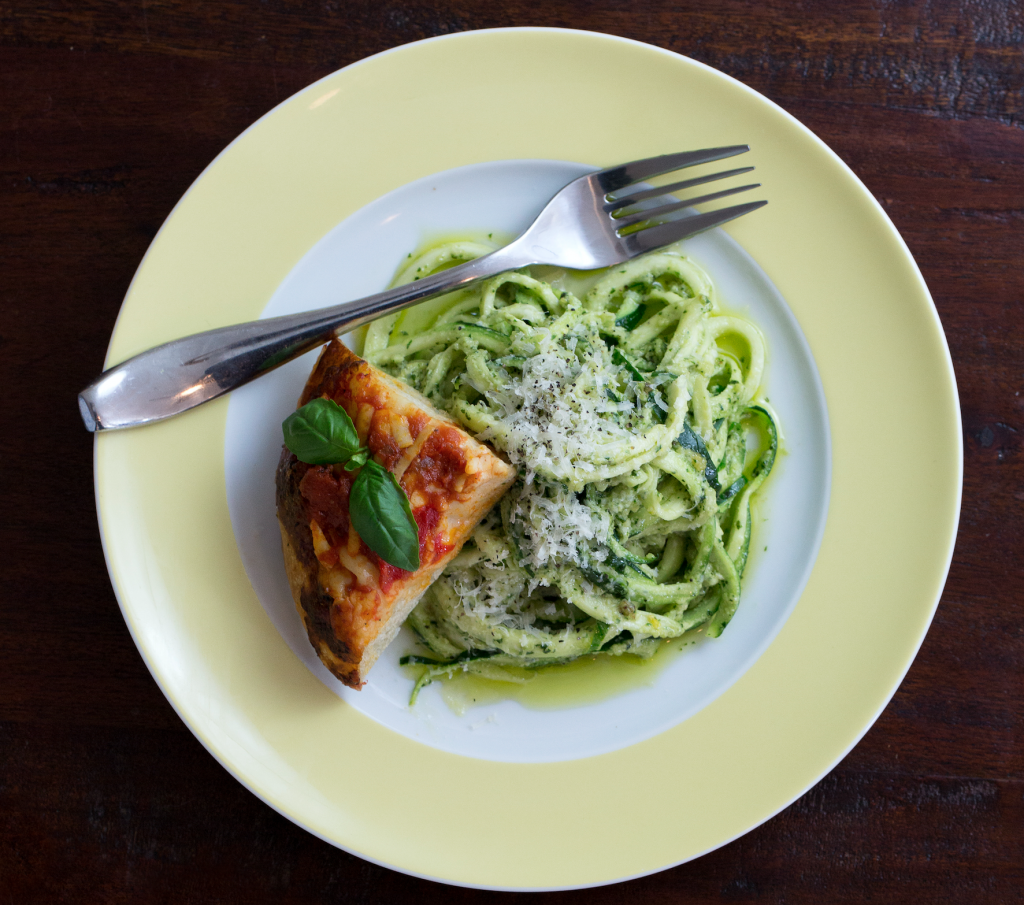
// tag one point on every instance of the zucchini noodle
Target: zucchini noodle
(627, 412)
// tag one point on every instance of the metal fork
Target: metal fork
(590, 223)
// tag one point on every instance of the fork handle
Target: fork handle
(177, 376)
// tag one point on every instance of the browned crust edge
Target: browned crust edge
(312, 601)
(303, 570)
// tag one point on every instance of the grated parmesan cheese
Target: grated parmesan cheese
(558, 413)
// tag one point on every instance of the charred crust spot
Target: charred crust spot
(290, 510)
(317, 605)
(315, 602)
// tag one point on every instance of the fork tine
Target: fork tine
(643, 195)
(666, 233)
(626, 174)
(657, 212)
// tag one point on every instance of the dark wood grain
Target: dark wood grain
(109, 110)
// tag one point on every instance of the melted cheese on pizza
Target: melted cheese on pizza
(451, 481)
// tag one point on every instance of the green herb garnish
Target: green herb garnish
(380, 512)
(322, 433)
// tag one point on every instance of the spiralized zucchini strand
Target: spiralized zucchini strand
(627, 413)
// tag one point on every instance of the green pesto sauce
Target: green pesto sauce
(590, 679)
(587, 680)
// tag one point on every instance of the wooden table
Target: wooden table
(109, 110)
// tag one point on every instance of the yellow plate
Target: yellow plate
(889, 385)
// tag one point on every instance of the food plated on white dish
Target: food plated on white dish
(558, 714)
(175, 499)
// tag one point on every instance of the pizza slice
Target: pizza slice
(351, 601)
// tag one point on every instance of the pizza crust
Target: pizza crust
(353, 604)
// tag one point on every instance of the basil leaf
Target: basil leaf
(358, 460)
(321, 433)
(381, 514)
